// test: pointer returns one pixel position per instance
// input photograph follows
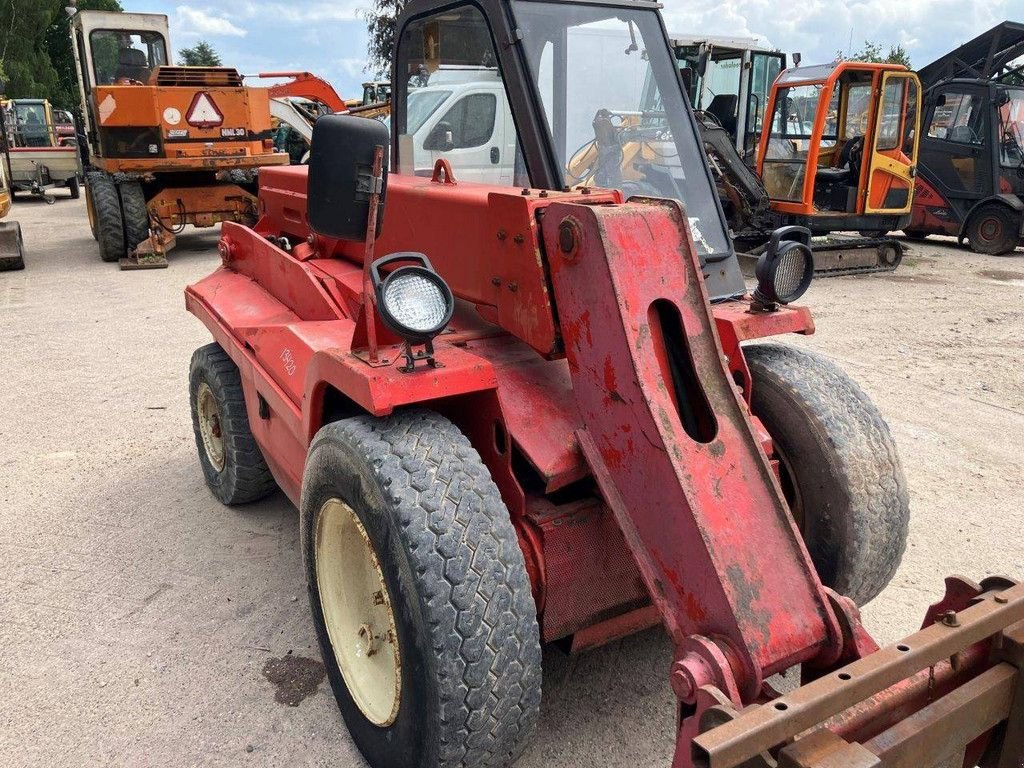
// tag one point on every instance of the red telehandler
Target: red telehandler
(517, 414)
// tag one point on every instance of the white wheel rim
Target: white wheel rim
(210, 426)
(357, 612)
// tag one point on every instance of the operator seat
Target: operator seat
(848, 170)
(133, 65)
(723, 107)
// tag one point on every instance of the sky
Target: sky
(329, 38)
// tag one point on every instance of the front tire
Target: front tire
(106, 207)
(993, 229)
(136, 215)
(840, 470)
(232, 463)
(458, 680)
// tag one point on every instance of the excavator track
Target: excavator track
(839, 257)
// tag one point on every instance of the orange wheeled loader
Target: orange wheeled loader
(168, 146)
(519, 413)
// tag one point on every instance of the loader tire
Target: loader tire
(106, 206)
(74, 188)
(993, 229)
(90, 209)
(136, 215)
(840, 469)
(11, 240)
(232, 462)
(409, 498)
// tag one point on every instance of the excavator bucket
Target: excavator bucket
(12, 246)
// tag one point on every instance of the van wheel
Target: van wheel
(839, 468)
(109, 224)
(232, 462)
(419, 593)
(994, 230)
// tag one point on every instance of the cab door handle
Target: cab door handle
(495, 155)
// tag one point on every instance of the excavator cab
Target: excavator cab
(840, 145)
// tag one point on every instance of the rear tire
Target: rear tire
(840, 469)
(993, 229)
(74, 188)
(136, 215)
(232, 462)
(466, 641)
(106, 206)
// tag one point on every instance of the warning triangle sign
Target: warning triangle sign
(204, 112)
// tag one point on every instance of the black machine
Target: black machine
(970, 181)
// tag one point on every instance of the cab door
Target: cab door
(893, 163)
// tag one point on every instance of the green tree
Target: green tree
(872, 52)
(23, 54)
(380, 24)
(58, 45)
(201, 54)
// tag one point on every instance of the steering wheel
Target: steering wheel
(852, 153)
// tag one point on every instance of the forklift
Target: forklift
(970, 183)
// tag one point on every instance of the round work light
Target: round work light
(413, 300)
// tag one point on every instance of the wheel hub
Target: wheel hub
(990, 229)
(357, 612)
(209, 426)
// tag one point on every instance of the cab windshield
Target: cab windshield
(615, 108)
(122, 57)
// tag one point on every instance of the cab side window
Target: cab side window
(455, 105)
(960, 119)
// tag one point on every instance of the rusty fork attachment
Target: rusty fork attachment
(950, 695)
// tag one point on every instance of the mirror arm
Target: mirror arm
(369, 297)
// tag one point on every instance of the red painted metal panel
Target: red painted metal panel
(706, 520)
(483, 239)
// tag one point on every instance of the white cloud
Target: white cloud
(192, 21)
(820, 28)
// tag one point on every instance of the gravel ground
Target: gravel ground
(144, 624)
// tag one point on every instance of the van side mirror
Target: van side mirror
(341, 176)
(441, 138)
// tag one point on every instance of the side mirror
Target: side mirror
(341, 176)
(702, 60)
(1002, 98)
(797, 58)
(940, 100)
(441, 138)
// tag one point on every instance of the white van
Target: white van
(462, 115)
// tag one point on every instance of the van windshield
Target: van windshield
(421, 104)
(616, 111)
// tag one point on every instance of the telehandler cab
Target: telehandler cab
(525, 413)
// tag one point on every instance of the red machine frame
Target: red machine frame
(309, 350)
